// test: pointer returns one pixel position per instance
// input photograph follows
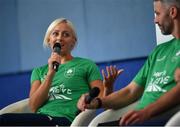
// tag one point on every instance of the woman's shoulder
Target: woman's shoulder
(86, 60)
(41, 68)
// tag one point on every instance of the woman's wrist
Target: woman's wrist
(50, 75)
(51, 72)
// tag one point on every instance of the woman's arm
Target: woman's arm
(39, 92)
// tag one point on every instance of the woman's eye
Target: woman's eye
(54, 33)
(66, 34)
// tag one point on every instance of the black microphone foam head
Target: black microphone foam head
(57, 48)
(94, 92)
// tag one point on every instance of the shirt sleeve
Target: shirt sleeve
(35, 75)
(93, 73)
(142, 75)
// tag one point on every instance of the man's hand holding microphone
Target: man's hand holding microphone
(88, 100)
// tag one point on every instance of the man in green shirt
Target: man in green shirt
(154, 85)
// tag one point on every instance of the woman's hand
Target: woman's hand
(81, 102)
(82, 105)
(54, 57)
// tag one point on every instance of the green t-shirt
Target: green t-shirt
(70, 81)
(157, 74)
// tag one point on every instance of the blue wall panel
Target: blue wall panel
(14, 87)
(116, 29)
(130, 66)
(10, 60)
(107, 30)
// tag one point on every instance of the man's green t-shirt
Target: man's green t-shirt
(70, 81)
(157, 74)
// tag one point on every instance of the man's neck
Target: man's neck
(176, 32)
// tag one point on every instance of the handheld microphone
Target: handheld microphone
(93, 93)
(56, 49)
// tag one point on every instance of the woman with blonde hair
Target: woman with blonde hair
(55, 91)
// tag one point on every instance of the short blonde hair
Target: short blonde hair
(54, 24)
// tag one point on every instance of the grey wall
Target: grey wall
(107, 30)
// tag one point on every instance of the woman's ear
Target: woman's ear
(73, 44)
(48, 40)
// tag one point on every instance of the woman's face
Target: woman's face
(63, 34)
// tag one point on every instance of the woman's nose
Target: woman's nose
(59, 37)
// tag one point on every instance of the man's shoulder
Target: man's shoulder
(166, 43)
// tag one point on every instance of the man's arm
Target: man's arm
(168, 100)
(165, 102)
(120, 98)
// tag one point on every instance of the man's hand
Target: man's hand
(177, 75)
(134, 117)
(109, 79)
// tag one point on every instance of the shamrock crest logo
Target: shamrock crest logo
(69, 72)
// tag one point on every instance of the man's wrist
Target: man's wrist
(99, 102)
(178, 82)
(108, 90)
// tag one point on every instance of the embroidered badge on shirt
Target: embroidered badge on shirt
(69, 72)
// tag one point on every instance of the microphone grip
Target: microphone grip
(55, 65)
